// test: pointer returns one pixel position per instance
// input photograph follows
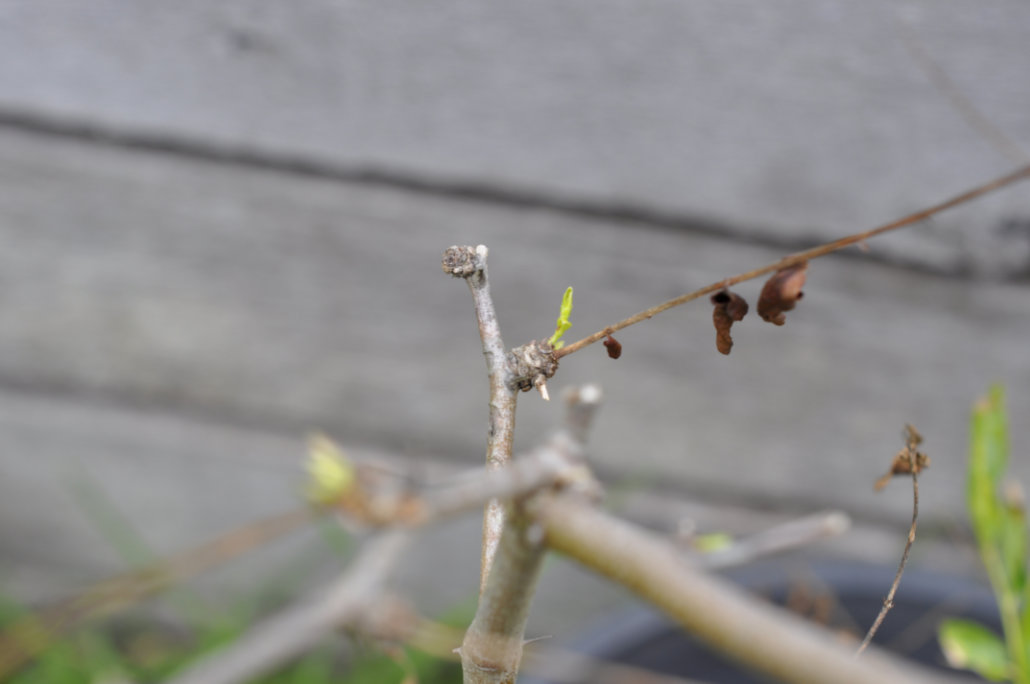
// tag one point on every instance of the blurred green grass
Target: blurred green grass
(138, 648)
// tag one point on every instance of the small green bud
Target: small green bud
(563, 320)
(330, 472)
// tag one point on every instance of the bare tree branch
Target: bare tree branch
(756, 634)
(470, 264)
(550, 464)
(295, 630)
(492, 649)
(795, 259)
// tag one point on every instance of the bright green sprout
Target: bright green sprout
(563, 320)
(330, 472)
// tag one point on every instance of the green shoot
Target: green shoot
(999, 524)
(563, 320)
(712, 542)
(330, 472)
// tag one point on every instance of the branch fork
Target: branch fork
(532, 365)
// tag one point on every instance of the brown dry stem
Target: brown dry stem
(795, 259)
(908, 461)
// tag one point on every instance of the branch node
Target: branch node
(531, 365)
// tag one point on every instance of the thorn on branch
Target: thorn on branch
(781, 292)
(540, 382)
(729, 307)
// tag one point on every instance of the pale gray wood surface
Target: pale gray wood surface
(173, 327)
(170, 327)
(778, 122)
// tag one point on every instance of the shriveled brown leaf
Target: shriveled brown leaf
(907, 461)
(781, 292)
(729, 307)
(613, 347)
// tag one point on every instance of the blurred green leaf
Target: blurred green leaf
(1014, 544)
(971, 646)
(315, 668)
(715, 541)
(988, 457)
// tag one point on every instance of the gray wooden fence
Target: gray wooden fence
(222, 222)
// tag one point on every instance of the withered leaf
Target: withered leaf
(906, 462)
(613, 347)
(729, 307)
(781, 292)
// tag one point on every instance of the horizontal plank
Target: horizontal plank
(807, 120)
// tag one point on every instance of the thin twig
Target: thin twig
(888, 602)
(501, 431)
(789, 535)
(752, 632)
(797, 258)
(297, 629)
(526, 473)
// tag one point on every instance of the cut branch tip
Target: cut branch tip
(462, 261)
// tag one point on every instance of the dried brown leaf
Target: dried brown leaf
(781, 292)
(729, 307)
(613, 347)
(907, 461)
